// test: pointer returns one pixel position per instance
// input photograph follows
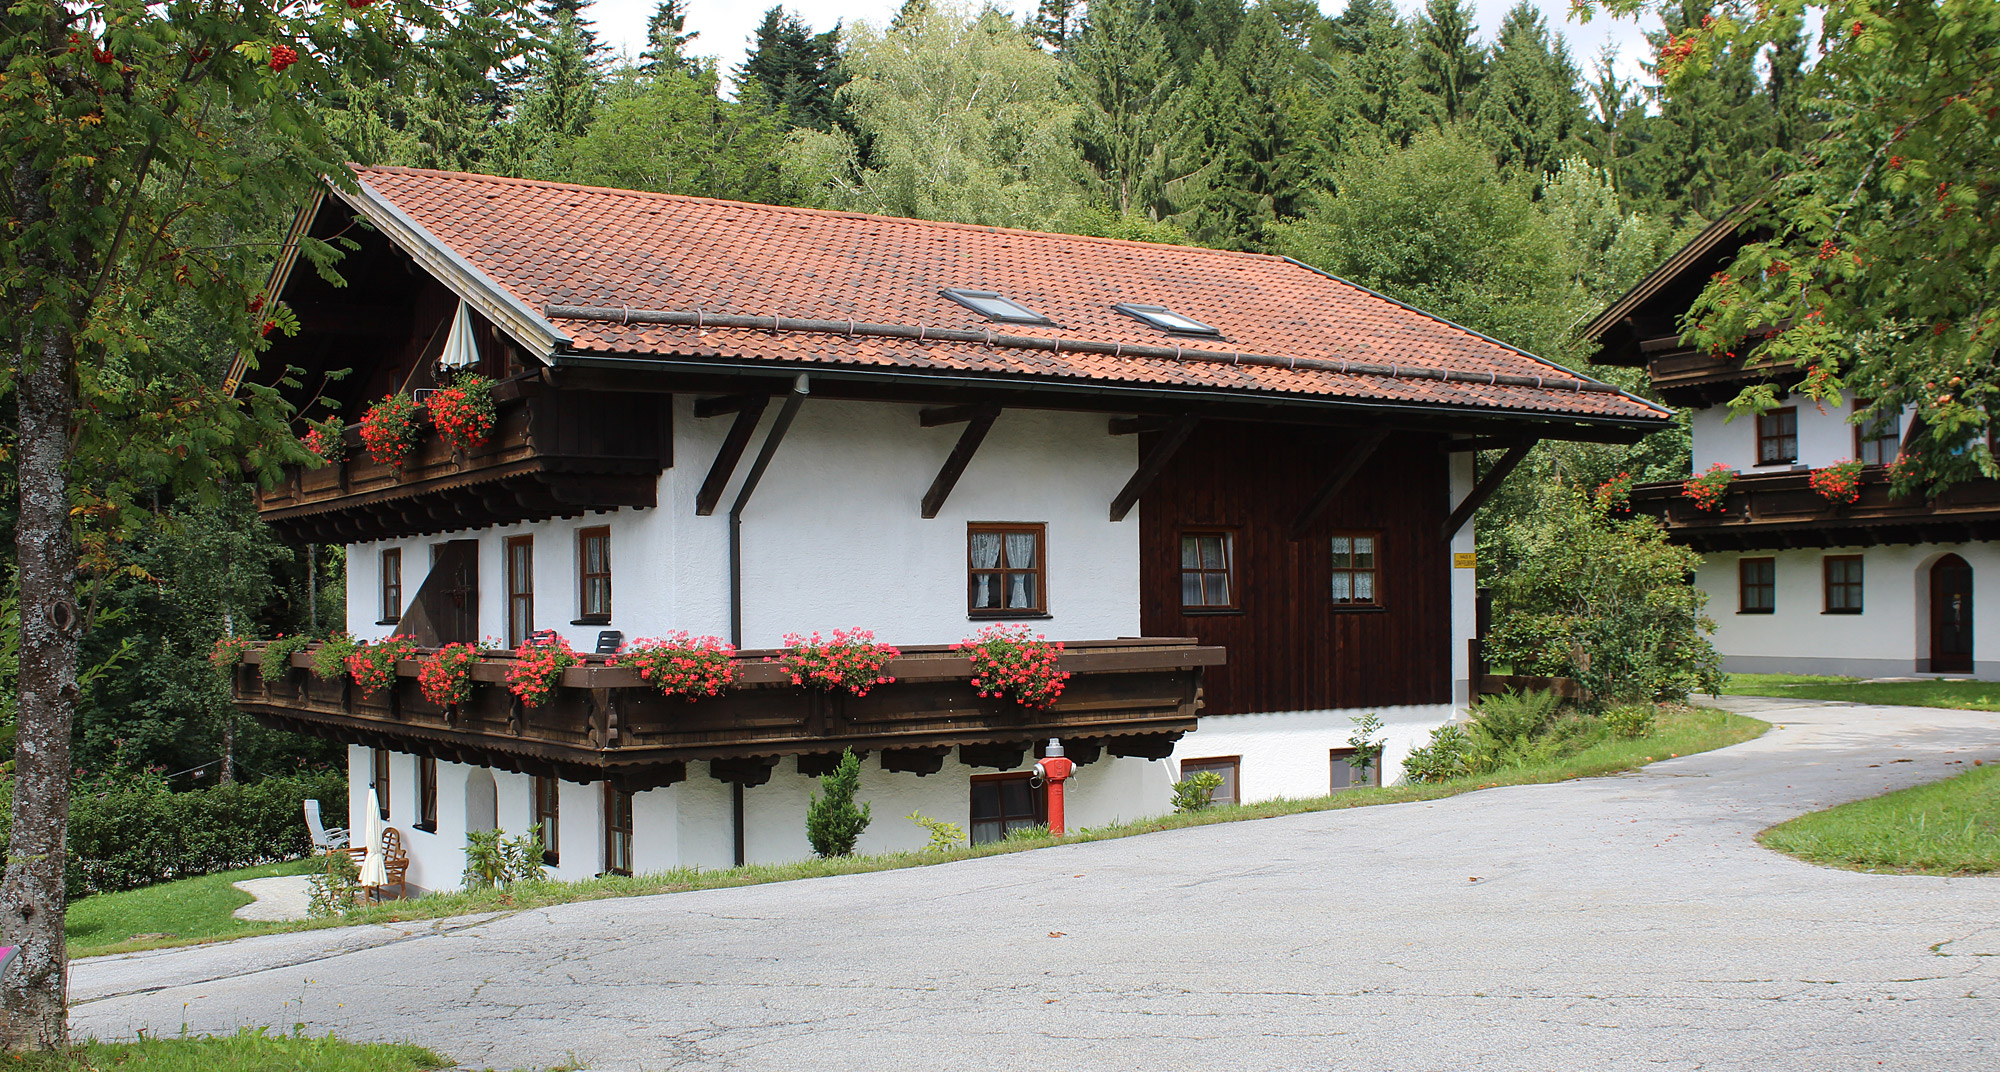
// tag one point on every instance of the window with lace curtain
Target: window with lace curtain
(1004, 570)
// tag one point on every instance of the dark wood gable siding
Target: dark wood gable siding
(1290, 649)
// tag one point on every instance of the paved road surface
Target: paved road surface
(1614, 923)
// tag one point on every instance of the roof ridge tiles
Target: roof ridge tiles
(835, 213)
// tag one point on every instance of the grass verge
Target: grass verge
(1679, 731)
(1950, 827)
(191, 910)
(1963, 695)
(250, 1050)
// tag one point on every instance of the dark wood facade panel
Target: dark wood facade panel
(1290, 647)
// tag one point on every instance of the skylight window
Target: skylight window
(1166, 319)
(994, 306)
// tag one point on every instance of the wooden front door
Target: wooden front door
(1951, 616)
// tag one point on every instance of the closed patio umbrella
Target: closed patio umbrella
(374, 870)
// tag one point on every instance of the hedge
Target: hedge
(127, 831)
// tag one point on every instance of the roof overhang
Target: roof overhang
(519, 320)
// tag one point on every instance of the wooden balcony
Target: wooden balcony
(1767, 511)
(1132, 697)
(552, 454)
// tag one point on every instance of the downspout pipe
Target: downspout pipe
(800, 388)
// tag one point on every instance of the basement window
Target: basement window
(1166, 319)
(994, 306)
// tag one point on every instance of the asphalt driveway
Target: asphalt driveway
(1611, 923)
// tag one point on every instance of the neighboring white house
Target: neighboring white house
(1798, 582)
(1238, 488)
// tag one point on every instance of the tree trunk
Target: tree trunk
(33, 995)
(228, 774)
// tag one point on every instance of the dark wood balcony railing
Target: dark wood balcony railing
(1132, 697)
(552, 453)
(1777, 510)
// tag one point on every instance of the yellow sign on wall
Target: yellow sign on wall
(1464, 560)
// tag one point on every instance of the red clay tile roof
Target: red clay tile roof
(559, 244)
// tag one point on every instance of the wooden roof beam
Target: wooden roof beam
(1357, 456)
(733, 446)
(977, 425)
(1486, 487)
(942, 415)
(1150, 468)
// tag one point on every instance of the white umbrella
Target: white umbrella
(374, 870)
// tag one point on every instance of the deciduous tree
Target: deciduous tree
(150, 153)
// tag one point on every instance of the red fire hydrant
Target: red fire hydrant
(1055, 770)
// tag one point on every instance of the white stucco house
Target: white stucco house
(1798, 581)
(1238, 489)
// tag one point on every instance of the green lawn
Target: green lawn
(192, 909)
(1945, 828)
(252, 1050)
(1965, 695)
(1680, 732)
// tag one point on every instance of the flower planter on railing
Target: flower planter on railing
(1141, 694)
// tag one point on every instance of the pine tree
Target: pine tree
(1121, 76)
(1353, 30)
(1713, 127)
(1450, 62)
(666, 45)
(1239, 140)
(1530, 110)
(799, 71)
(1195, 28)
(561, 99)
(1056, 22)
(553, 11)
(1617, 117)
(833, 822)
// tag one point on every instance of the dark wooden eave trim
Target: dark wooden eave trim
(1657, 280)
(1152, 466)
(1487, 485)
(978, 421)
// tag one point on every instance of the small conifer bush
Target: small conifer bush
(833, 821)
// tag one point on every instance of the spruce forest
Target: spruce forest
(1505, 184)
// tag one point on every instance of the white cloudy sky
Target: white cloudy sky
(726, 25)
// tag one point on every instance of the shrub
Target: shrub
(944, 836)
(331, 890)
(852, 660)
(1367, 747)
(1604, 601)
(494, 860)
(1515, 714)
(1630, 720)
(1441, 759)
(128, 830)
(1195, 791)
(1007, 662)
(330, 658)
(682, 664)
(277, 662)
(834, 822)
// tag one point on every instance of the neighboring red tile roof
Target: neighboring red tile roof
(560, 244)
